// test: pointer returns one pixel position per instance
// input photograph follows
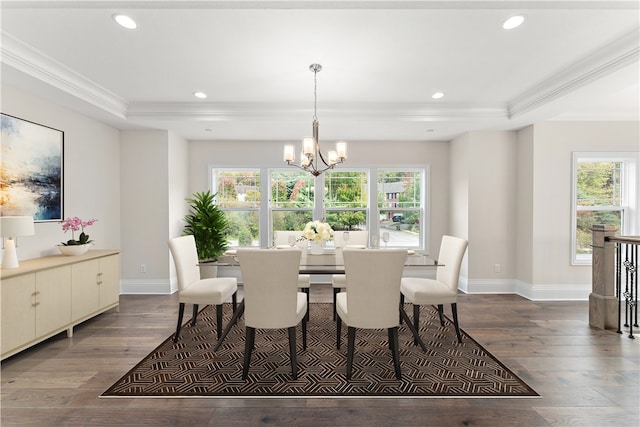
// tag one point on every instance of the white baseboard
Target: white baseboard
(548, 292)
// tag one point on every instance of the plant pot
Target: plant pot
(73, 250)
(208, 270)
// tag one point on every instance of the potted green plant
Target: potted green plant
(208, 225)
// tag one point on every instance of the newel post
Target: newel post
(603, 304)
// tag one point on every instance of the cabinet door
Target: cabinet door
(18, 311)
(85, 291)
(110, 280)
(54, 298)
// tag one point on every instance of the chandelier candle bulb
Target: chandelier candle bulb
(307, 145)
(289, 154)
(341, 148)
(333, 157)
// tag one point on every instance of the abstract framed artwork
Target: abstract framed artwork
(31, 169)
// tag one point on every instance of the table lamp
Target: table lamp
(11, 227)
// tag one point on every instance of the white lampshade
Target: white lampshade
(15, 226)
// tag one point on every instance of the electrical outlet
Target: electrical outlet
(143, 268)
(497, 268)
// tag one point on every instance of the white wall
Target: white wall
(492, 207)
(145, 211)
(553, 145)
(178, 191)
(207, 154)
(91, 174)
(524, 208)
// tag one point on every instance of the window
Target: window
(347, 199)
(400, 204)
(238, 193)
(604, 192)
(292, 200)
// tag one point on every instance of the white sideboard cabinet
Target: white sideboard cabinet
(45, 296)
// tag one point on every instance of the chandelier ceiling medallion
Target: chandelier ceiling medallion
(311, 153)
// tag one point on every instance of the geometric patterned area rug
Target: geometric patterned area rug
(190, 368)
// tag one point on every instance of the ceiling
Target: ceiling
(382, 61)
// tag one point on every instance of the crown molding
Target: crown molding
(619, 54)
(264, 111)
(25, 58)
(325, 4)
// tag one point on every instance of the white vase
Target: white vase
(316, 248)
(73, 249)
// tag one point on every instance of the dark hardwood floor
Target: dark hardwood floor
(585, 377)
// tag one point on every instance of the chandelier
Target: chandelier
(311, 154)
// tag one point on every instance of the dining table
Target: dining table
(329, 262)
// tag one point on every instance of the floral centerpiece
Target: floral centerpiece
(318, 233)
(73, 246)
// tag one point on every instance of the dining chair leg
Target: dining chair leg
(194, 315)
(180, 315)
(219, 320)
(416, 321)
(401, 305)
(335, 297)
(338, 332)
(454, 311)
(250, 335)
(351, 342)
(292, 352)
(304, 334)
(441, 314)
(393, 344)
(234, 301)
(306, 291)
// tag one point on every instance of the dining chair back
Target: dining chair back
(271, 297)
(194, 290)
(372, 297)
(356, 238)
(281, 241)
(281, 238)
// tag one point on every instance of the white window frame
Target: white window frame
(630, 195)
(373, 212)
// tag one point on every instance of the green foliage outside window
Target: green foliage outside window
(599, 199)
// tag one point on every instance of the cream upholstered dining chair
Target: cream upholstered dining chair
(271, 297)
(281, 241)
(441, 290)
(356, 239)
(372, 297)
(194, 290)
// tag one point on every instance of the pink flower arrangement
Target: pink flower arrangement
(76, 224)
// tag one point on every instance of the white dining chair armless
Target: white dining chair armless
(271, 297)
(194, 290)
(441, 290)
(372, 297)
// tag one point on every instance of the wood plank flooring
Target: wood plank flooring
(586, 377)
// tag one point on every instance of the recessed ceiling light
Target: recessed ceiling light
(437, 95)
(126, 21)
(200, 95)
(513, 22)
